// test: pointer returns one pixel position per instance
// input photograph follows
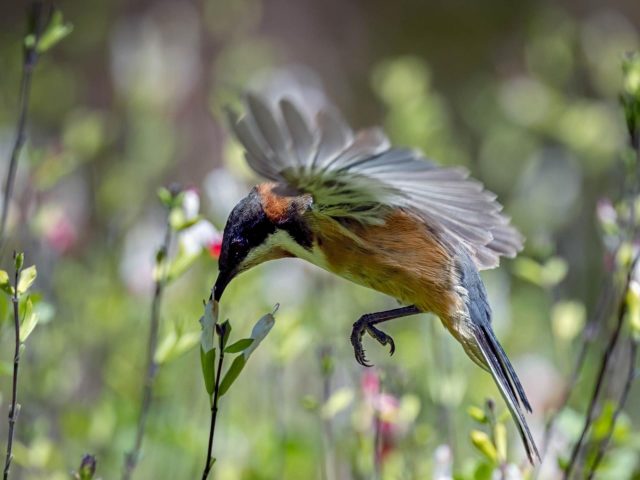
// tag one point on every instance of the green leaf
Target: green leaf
(55, 31)
(224, 331)
(5, 283)
(554, 271)
(27, 277)
(567, 319)
(207, 361)
(631, 71)
(232, 374)
(19, 261)
(208, 322)
(563, 463)
(29, 321)
(338, 401)
(165, 197)
(260, 330)
(239, 346)
(546, 275)
(477, 414)
(178, 266)
(483, 443)
(633, 309)
(484, 471)
(500, 435)
(179, 221)
(175, 345)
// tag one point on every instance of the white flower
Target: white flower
(191, 203)
(200, 236)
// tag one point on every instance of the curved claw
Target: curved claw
(356, 341)
(360, 355)
(392, 344)
(363, 361)
(359, 328)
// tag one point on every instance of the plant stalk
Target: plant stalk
(14, 409)
(604, 365)
(631, 374)
(28, 66)
(214, 415)
(131, 459)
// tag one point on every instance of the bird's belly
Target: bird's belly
(413, 268)
(405, 284)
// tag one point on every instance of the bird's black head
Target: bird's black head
(247, 227)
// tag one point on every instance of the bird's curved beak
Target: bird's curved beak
(221, 283)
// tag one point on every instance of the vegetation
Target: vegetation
(119, 175)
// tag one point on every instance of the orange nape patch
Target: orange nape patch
(402, 257)
(275, 206)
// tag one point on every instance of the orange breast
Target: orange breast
(401, 258)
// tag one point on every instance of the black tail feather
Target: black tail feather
(507, 368)
(485, 347)
(508, 384)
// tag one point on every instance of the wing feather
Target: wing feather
(358, 175)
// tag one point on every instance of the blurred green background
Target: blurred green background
(522, 93)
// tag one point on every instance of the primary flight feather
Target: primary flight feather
(382, 217)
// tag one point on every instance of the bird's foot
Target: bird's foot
(365, 324)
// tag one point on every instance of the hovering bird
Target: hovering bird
(383, 217)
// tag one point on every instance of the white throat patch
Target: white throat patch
(281, 239)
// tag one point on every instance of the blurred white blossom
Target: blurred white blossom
(201, 236)
(191, 203)
(137, 260)
(442, 463)
(508, 472)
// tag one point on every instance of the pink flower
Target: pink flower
(58, 230)
(370, 383)
(384, 409)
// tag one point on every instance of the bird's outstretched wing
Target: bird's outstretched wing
(359, 175)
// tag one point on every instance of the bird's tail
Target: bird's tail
(495, 360)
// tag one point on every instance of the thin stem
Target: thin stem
(631, 374)
(604, 364)
(589, 333)
(329, 464)
(377, 445)
(14, 409)
(131, 459)
(28, 65)
(214, 416)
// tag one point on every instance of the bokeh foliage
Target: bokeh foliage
(524, 95)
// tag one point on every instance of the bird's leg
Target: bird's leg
(366, 324)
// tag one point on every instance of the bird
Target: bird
(380, 216)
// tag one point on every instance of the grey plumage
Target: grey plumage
(346, 171)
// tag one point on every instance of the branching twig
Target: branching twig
(604, 365)
(630, 101)
(39, 16)
(131, 458)
(214, 411)
(588, 335)
(15, 408)
(602, 447)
